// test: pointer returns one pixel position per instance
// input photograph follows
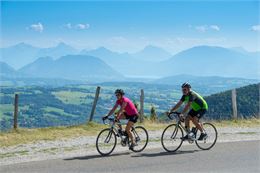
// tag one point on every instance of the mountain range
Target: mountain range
(213, 61)
(79, 67)
(151, 61)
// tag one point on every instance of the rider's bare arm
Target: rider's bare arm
(112, 110)
(121, 111)
(176, 106)
(186, 108)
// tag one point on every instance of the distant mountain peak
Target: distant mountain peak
(151, 47)
(63, 45)
(152, 53)
(23, 45)
(103, 49)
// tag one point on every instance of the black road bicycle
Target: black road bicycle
(107, 138)
(172, 136)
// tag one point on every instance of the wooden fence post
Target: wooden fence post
(234, 103)
(142, 106)
(15, 111)
(94, 104)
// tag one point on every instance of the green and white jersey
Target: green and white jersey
(197, 101)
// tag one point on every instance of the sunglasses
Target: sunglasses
(184, 89)
(117, 95)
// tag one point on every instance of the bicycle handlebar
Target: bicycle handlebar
(176, 113)
(111, 120)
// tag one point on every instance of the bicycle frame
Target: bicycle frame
(204, 144)
(179, 124)
(116, 130)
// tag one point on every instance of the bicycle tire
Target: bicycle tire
(177, 129)
(110, 132)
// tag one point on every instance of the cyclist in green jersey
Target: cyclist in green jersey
(197, 106)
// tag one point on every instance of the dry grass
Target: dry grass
(252, 122)
(24, 136)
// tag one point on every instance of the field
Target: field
(71, 105)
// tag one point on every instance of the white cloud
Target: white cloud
(255, 28)
(79, 26)
(68, 25)
(37, 27)
(215, 27)
(82, 26)
(204, 28)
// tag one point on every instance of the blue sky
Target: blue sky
(129, 26)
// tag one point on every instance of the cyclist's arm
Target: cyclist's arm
(112, 110)
(121, 111)
(186, 108)
(176, 106)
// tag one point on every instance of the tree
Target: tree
(153, 116)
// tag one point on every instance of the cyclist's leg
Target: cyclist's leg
(130, 124)
(123, 116)
(128, 131)
(195, 119)
(188, 119)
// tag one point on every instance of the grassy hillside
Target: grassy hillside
(220, 105)
(71, 105)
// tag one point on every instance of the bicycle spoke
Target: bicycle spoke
(171, 138)
(211, 138)
(141, 138)
(106, 142)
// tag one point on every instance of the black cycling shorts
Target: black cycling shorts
(198, 113)
(132, 118)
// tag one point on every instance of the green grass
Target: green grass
(12, 154)
(5, 108)
(73, 97)
(49, 109)
(9, 108)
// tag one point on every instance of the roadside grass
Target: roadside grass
(25, 136)
(12, 154)
(252, 122)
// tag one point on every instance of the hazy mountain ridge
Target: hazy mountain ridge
(76, 67)
(213, 61)
(198, 61)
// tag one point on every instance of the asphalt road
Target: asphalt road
(224, 157)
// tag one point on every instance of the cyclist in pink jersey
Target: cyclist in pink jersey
(127, 111)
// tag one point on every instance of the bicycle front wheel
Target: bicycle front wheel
(171, 138)
(106, 142)
(141, 138)
(210, 140)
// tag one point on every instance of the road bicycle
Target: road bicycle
(172, 136)
(107, 139)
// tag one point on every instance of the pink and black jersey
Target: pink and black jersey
(130, 107)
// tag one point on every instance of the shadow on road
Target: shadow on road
(95, 156)
(164, 153)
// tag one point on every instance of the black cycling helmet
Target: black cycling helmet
(119, 91)
(186, 85)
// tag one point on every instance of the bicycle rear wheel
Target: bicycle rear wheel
(171, 138)
(141, 138)
(210, 140)
(106, 141)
